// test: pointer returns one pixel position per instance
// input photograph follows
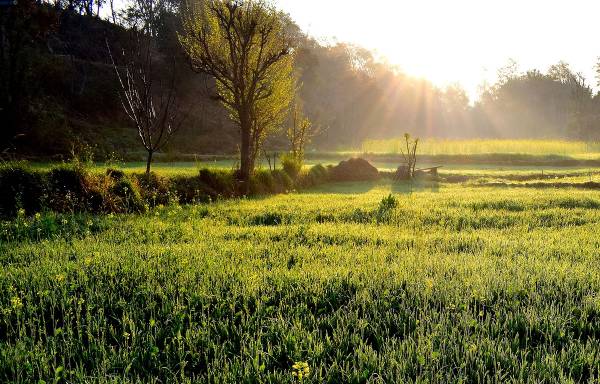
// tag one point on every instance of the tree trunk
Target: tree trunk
(148, 162)
(245, 151)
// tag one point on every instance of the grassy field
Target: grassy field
(575, 149)
(440, 283)
(191, 168)
(453, 155)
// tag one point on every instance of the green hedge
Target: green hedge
(72, 188)
(20, 189)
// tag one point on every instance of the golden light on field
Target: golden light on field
(462, 41)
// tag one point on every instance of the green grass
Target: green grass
(192, 168)
(575, 149)
(443, 283)
(183, 168)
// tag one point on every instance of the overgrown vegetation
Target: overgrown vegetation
(72, 187)
(338, 284)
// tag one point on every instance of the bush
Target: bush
(67, 190)
(95, 200)
(70, 188)
(219, 182)
(356, 169)
(385, 208)
(318, 172)
(208, 185)
(283, 182)
(127, 196)
(388, 203)
(115, 174)
(191, 189)
(155, 190)
(20, 188)
(262, 182)
(291, 165)
(315, 176)
(51, 225)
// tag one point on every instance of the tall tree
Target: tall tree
(581, 115)
(247, 48)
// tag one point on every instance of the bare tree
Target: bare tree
(410, 156)
(150, 103)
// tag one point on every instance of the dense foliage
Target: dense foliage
(416, 286)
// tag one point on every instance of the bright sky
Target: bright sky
(462, 41)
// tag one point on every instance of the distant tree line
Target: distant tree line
(354, 97)
(58, 89)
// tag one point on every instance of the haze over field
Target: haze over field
(435, 69)
(462, 41)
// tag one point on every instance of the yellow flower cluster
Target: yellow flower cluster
(16, 303)
(300, 370)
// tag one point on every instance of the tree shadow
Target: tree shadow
(344, 187)
(408, 187)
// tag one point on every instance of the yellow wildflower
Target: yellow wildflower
(16, 303)
(300, 370)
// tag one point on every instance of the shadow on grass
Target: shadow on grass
(584, 185)
(345, 187)
(358, 187)
(408, 187)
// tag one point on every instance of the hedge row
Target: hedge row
(71, 188)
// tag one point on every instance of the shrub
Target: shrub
(305, 180)
(388, 203)
(356, 169)
(20, 188)
(208, 185)
(283, 182)
(385, 208)
(262, 182)
(95, 199)
(358, 216)
(155, 190)
(319, 172)
(191, 189)
(51, 225)
(220, 182)
(67, 190)
(316, 175)
(127, 196)
(115, 174)
(291, 165)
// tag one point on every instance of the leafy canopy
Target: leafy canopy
(246, 47)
